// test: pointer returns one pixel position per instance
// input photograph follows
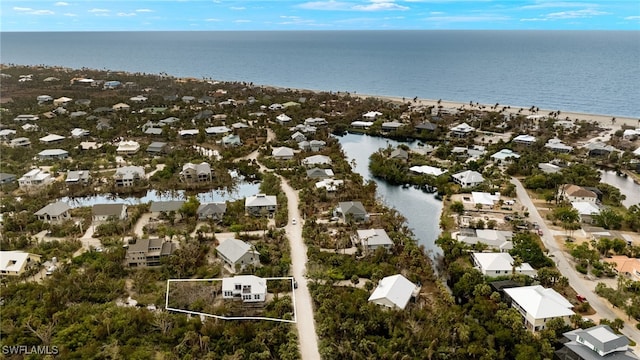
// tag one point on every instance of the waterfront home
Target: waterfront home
(78, 133)
(364, 125)
(330, 185)
(427, 170)
(7, 178)
(314, 122)
(598, 148)
(390, 126)
(282, 153)
(20, 142)
(425, 127)
(499, 264)
(316, 160)
(77, 177)
(104, 212)
(193, 173)
(26, 118)
(148, 252)
(231, 140)
(156, 148)
(53, 154)
(283, 119)
(468, 178)
(127, 176)
(351, 210)
(16, 262)
(166, 207)
(317, 173)
(298, 137)
(237, 254)
(373, 239)
(549, 168)
(505, 156)
(595, 343)
(128, 147)
(399, 154)
(573, 193)
(371, 115)
(462, 130)
(214, 211)
(587, 210)
(524, 139)
(35, 179)
(538, 305)
(316, 145)
(484, 198)
(261, 204)
(494, 239)
(556, 145)
(53, 213)
(248, 288)
(51, 138)
(121, 107)
(626, 266)
(394, 292)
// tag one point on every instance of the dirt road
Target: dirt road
(576, 280)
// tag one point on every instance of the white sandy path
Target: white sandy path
(304, 306)
(579, 284)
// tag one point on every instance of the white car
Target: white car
(293, 222)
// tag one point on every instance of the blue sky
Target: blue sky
(132, 15)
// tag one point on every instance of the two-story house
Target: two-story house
(193, 173)
(237, 254)
(248, 288)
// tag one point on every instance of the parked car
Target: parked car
(293, 222)
(581, 298)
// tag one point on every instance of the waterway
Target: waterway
(421, 210)
(626, 185)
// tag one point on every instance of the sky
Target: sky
(211, 15)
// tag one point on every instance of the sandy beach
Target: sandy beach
(604, 120)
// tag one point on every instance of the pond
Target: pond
(626, 185)
(421, 210)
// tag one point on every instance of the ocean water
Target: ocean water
(584, 71)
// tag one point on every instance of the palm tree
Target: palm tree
(517, 262)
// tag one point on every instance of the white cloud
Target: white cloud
(41, 12)
(61, 3)
(16, 8)
(212, 20)
(238, 8)
(465, 18)
(126, 14)
(94, 10)
(144, 10)
(373, 5)
(434, 13)
(325, 5)
(543, 4)
(241, 21)
(575, 14)
(636, 17)
(70, 14)
(380, 5)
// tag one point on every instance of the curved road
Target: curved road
(576, 281)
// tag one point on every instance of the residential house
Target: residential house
(282, 153)
(556, 145)
(239, 125)
(298, 137)
(128, 175)
(317, 173)
(462, 130)
(494, 264)
(213, 211)
(53, 154)
(261, 204)
(389, 126)
(26, 118)
(330, 185)
(505, 155)
(316, 145)
(625, 266)
(598, 148)
(484, 198)
(595, 343)
(364, 125)
(139, 99)
(428, 170)
(217, 130)
(54, 213)
(121, 107)
(426, 127)
(394, 292)
(165, 207)
(468, 178)
(351, 210)
(373, 239)
(78, 177)
(371, 115)
(399, 154)
(148, 252)
(170, 120)
(526, 140)
(231, 140)
(104, 212)
(110, 85)
(15, 263)
(316, 160)
(20, 142)
(538, 305)
(573, 193)
(6, 134)
(237, 254)
(549, 168)
(78, 133)
(587, 210)
(157, 148)
(44, 98)
(34, 179)
(7, 178)
(193, 173)
(494, 239)
(62, 101)
(283, 119)
(248, 288)
(276, 106)
(153, 131)
(304, 145)
(128, 147)
(188, 133)
(315, 121)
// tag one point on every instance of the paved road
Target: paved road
(576, 280)
(304, 306)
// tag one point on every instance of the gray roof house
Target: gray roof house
(78, 177)
(351, 209)
(128, 175)
(399, 154)
(282, 153)
(157, 147)
(192, 173)
(7, 178)
(317, 173)
(261, 204)
(211, 211)
(372, 239)
(468, 178)
(148, 252)
(316, 145)
(595, 343)
(165, 206)
(237, 254)
(53, 154)
(316, 160)
(102, 212)
(231, 140)
(54, 212)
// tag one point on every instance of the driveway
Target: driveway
(576, 280)
(304, 307)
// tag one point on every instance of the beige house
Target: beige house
(148, 252)
(192, 173)
(15, 263)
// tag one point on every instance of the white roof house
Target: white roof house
(49, 154)
(77, 133)
(361, 124)
(468, 178)
(217, 130)
(316, 160)
(537, 305)
(14, 263)
(51, 138)
(393, 292)
(188, 132)
(283, 118)
(494, 239)
(428, 170)
(371, 115)
(237, 254)
(34, 178)
(261, 204)
(128, 147)
(500, 264)
(331, 185)
(586, 210)
(462, 130)
(524, 139)
(505, 154)
(485, 198)
(248, 288)
(372, 239)
(557, 146)
(121, 106)
(595, 343)
(282, 153)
